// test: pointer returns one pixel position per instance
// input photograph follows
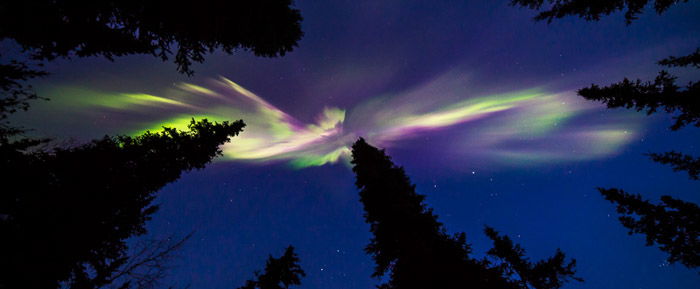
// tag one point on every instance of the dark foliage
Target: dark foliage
(673, 225)
(679, 162)
(412, 246)
(550, 273)
(65, 214)
(14, 92)
(279, 273)
(48, 28)
(660, 94)
(683, 61)
(592, 9)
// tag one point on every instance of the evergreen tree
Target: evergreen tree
(679, 162)
(14, 93)
(592, 10)
(412, 246)
(660, 94)
(550, 273)
(280, 273)
(65, 213)
(672, 225)
(48, 29)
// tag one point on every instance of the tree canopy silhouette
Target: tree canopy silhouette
(660, 94)
(15, 91)
(672, 225)
(592, 10)
(48, 28)
(65, 213)
(550, 273)
(679, 162)
(413, 247)
(280, 273)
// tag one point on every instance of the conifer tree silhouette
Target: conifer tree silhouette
(673, 225)
(679, 162)
(14, 92)
(48, 29)
(279, 273)
(550, 273)
(65, 213)
(412, 246)
(660, 94)
(592, 10)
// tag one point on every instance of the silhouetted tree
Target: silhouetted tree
(592, 10)
(550, 273)
(13, 88)
(673, 225)
(63, 28)
(15, 93)
(662, 93)
(279, 273)
(65, 213)
(679, 162)
(683, 61)
(147, 265)
(412, 246)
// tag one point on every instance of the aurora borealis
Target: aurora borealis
(513, 123)
(475, 100)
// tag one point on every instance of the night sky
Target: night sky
(473, 98)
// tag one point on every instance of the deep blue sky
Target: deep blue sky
(353, 51)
